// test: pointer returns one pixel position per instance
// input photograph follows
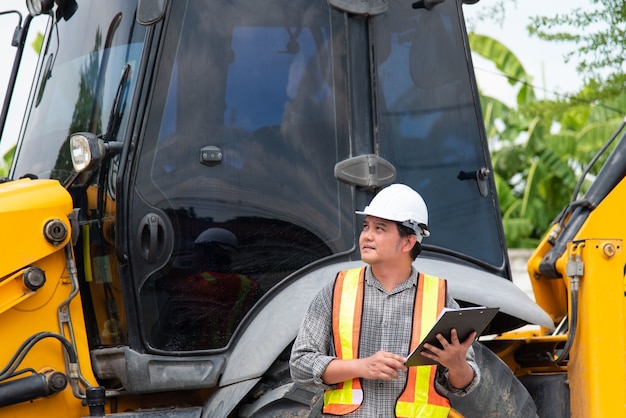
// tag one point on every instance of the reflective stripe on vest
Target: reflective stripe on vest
(419, 397)
(347, 310)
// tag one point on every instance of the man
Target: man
(359, 329)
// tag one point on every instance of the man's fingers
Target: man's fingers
(395, 357)
(443, 341)
(386, 365)
(470, 340)
(454, 338)
(389, 373)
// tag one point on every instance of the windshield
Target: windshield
(77, 86)
(430, 126)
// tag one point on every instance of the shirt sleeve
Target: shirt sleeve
(442, 381)
(313, 348)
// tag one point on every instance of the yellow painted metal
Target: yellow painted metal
(605, 221)
(596, 376)
(550, 294)
(25, 208)
(13, 291)
(597, 362)
(597, 367)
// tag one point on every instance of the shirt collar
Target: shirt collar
(411, 282)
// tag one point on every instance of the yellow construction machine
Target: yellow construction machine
(185, 180)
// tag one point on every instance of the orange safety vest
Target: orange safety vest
(419, 398)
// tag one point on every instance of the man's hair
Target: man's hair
(405, 231)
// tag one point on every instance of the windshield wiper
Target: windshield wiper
(119, 104)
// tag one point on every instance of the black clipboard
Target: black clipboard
(464, 320)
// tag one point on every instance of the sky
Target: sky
(542, 60)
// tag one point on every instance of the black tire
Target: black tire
(277, 396)
(307, 406)
(498, 395)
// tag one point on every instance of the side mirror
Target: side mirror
(87, 150)
(369, 171)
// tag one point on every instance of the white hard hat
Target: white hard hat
(400, 203)
(219, 236)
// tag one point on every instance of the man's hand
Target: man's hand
(452, 356)
(382, 365)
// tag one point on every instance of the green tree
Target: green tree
(5, 163)
(539, 148)
(596, 34)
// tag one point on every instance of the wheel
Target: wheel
(277, 396)
(498, 395)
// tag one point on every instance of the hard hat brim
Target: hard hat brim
(419, 229)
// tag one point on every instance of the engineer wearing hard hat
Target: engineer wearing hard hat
(357, 332)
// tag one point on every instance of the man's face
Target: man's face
(380, 241)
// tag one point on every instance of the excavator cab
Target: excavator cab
(215, 153)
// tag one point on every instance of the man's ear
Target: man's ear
(410, 242)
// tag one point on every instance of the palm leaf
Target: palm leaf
(504, 60)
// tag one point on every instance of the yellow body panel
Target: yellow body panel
(607, 221)
(596, 367)
(25, 207)
(596, 363)
(550, 294)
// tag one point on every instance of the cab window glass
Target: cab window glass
(248, 131)
(427, 106)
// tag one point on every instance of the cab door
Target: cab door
(246, 123)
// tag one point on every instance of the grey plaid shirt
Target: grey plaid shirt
(386, 325)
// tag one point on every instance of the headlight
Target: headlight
(87, 150)
(81, 152)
